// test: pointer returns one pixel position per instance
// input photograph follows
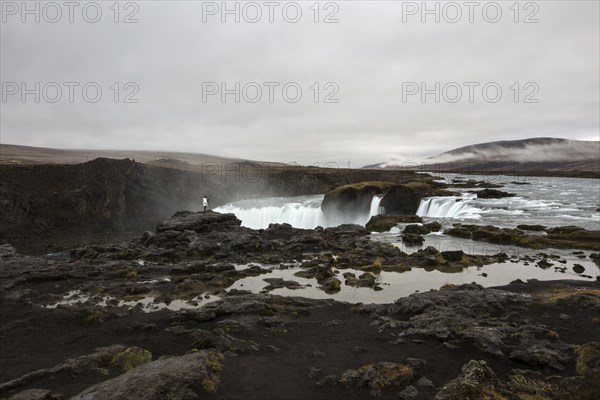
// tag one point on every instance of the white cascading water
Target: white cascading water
(300, 212)
(448, 207)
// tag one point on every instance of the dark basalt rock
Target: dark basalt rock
(416, 230)
(564, 230)
(493, 194)
(199, 222)
(412, 238)
(401, 200)
(383, 223)
(535, 228)
(171, 377)
(578, 269)
(353, 199)
(433, 226)
(397, 199)
(476, 381)
(453, 255)
(561, 237)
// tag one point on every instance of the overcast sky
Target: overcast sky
(367, 61)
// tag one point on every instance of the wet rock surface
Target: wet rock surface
(567, 237)
(383, 223)
(79, 323)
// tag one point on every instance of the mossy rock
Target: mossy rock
(131, 358)
(383, 223)
(353, 199)
(588, 357)
(411, 238)
(331, 285)
(560, 238)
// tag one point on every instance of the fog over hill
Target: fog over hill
(526, 150)
(546, 155)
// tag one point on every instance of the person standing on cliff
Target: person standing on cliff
(205, 203)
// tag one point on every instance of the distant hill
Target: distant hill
(550, 156)
(15, 154)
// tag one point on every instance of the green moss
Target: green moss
(532, 389)
(95, 316)
(491, 393)
(131, 275)
(131, 358)
(215, 362)
(385, 377)
(564, 294)
(380, 186)
(377, 263)
(526, 396)
(383, 223)
(417, 185)
(440, 260)
(585, 355)
(210, 384)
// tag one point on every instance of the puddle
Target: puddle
(400, 284)
(145, 304)
(154, 281)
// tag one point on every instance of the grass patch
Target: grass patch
(532, 389)
(585, 355)
(131, 275)
(377, 263)
(215, 362)
(131, 358)
(95, 316)
(564, 294)
(210, 384)
(379, 185)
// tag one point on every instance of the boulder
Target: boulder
(199, 222)
(476, 381)
(416, 230)
(378, 377)
(578, 268)
(453, 255)
(400, 200)
(165, 378)
(354, 199)
(433, 226)
(493, 194)
(7, 251)
(412, 238)
(383, 223)
(331, 285)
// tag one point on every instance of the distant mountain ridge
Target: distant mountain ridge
(546, 155)
(16, 154)
(526, 150)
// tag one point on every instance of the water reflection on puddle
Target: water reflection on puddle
(396, 284)
(145, 304)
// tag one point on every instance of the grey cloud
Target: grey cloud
(369, 54)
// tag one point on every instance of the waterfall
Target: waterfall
(375, 206)
(300, 212)
(447, 207)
